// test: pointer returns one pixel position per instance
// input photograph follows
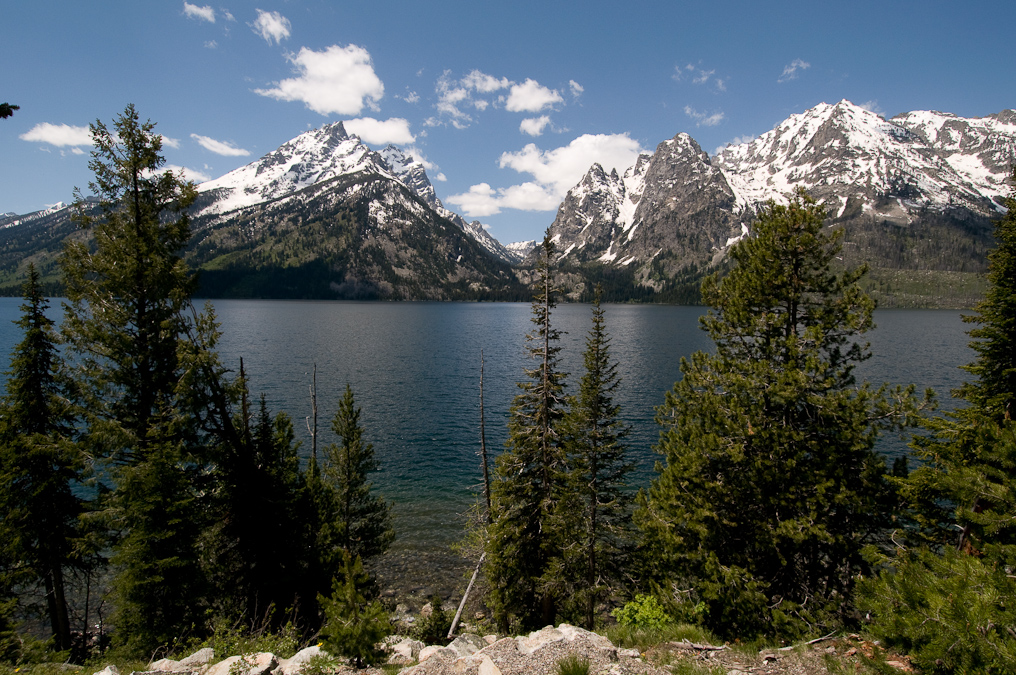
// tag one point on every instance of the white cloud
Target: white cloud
(377, 132)
(187, 173)
(410, 97)
(219, 147)
(703, 119)
(872, 106)
(271, 26)
(576, 88)
(484, 83)
(205, 13)
(171, 142)
(338, 80)
(703, 76)
(554, 172)
(790, 72)
(721, 84)
(60, 135)
(480, 201)
(534, 125)
(227, 15)
(699, 75)
(211, 44)
(531, 96)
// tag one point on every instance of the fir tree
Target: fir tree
(258, 554)
(354, 626)
(354, 521)
(38, 464)
(946, 598)
(770, 487)
(127, 326)
(528, 476)
(598, 507)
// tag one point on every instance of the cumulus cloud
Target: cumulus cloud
(484, 83)
(339, 80)
(576, 88)
(188, 173)
(205, 13)
(531, 96)
(790, 71)
(410, 97)
(378, 132)
(60, 135)
(454, 95)
(534, 126)
(271, 26)
(703, 119)
(553, 173)
(219, 147)
(171, 142)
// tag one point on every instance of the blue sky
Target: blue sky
(508, 103)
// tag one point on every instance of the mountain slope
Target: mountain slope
(917, 192)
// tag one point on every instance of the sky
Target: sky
(507, 104)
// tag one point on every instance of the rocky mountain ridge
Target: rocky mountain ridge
(919, 175)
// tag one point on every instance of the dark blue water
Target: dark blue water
(415, 371)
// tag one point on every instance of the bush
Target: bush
(645, 611)
(573, 665)
(433, 630)
(353, 627)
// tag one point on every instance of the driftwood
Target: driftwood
(465, 596)
(695, 646)
(809, 642)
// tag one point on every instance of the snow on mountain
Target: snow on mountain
(13, 219)
(840, 151)
(310, 158)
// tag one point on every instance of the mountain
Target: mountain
(322, 216)
(916, 193)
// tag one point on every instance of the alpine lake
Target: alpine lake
(415, 371)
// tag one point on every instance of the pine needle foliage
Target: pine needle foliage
(596, 510)
(769, 487)
(38, 464)
(529, 475)
(947, 597)
(354, 627)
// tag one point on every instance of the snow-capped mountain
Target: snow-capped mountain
(13, 219)
(679, 209)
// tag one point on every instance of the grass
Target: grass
(573, 665)
(629, 637)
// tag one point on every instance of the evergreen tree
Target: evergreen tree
(354, 626)
(354, 521)
(946, 598)
(528, 476)
(126, 323)
(38, 464)
(770, 486)
(597, 508)
(257, 550)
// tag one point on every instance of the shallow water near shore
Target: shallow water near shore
(415, 372)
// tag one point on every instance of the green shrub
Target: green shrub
(645, 611)
(353, 627)
(433, 630)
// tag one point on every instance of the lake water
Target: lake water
(415, 372)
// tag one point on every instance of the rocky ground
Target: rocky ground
(542, 652)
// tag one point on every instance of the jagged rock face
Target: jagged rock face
(937, 176)
(673, 203)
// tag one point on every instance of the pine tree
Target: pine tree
(354, 626)
(354, 521)
(528, 475)
(127, 325)
(770, 487)
(257, 550)
(38, 464)
(947, 597)
(598, 506)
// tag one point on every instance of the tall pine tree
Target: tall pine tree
(770, 487)
(946, 598)
(127, 325)
(596, 511)
(38, 465)
(528, 476)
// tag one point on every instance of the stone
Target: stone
(261, 663)
(109, 670)
(201, 657)
(465, 645)
(298, 661)
(165, 665)
(405, 650)
(427, 610)
(432, 650)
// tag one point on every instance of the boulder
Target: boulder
(261, 663)
(201, 657)
(298, 661)
(109, 670)
(165, 665)
(403, 649)
(465, 645)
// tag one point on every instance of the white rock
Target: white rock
(201, 657)
(261, 663)
(166, 665)
(109, 670)
(298, 661)
(443, 652)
